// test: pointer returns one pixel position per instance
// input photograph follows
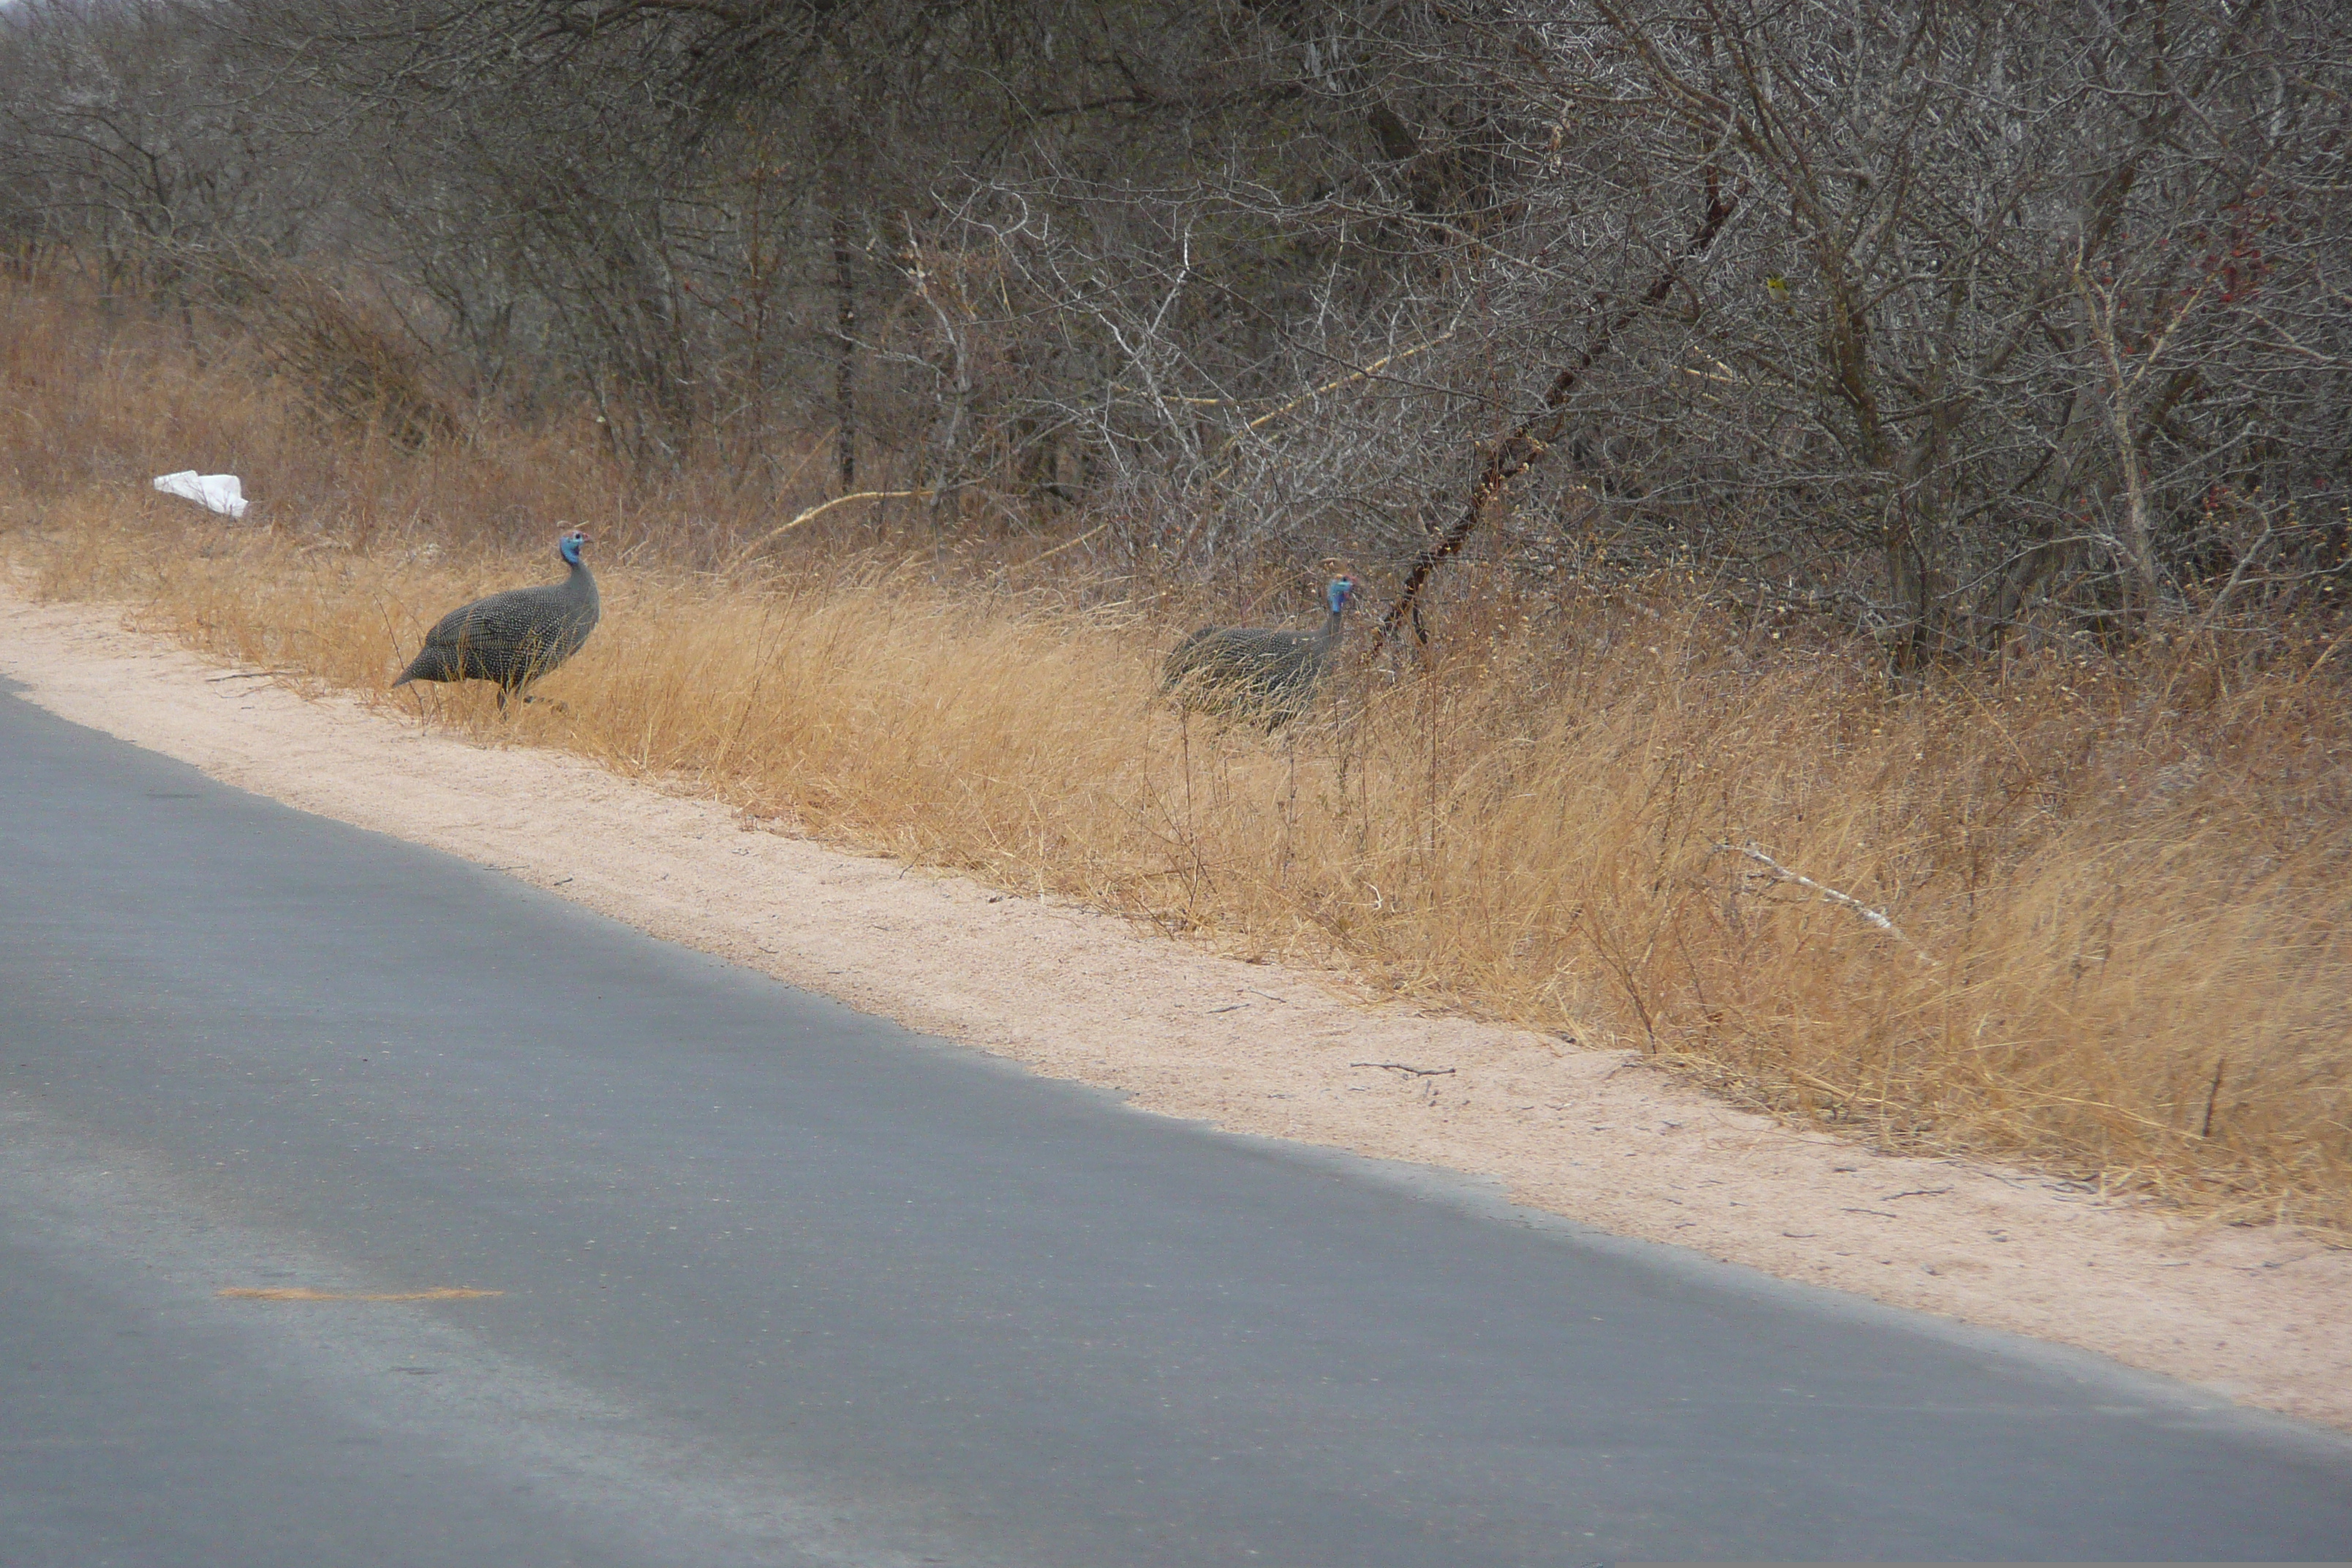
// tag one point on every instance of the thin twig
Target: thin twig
(817, 511)
(2211, 1096)
(1372, 369)
(1402, 1068)
(1065, 544)
(1874, 917)
(2237, 573)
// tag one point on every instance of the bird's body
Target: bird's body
(1259, 672)
(513, 638)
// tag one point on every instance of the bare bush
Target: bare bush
(1978, 328)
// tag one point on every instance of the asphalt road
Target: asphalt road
(780, 1283)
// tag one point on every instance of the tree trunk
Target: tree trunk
(845, 364)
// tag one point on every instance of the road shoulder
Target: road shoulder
(1073, 993)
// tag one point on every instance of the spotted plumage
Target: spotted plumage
(513, 638)
(1257, 672)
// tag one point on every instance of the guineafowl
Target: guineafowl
(1256, 671)
(516, 637)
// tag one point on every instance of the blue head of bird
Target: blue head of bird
(1334, 597)
(568, 547)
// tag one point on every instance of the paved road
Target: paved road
(784, 1284)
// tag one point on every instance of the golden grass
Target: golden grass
(2125, 928)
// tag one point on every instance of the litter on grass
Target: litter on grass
(214, 493)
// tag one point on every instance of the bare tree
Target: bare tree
(1969, 324)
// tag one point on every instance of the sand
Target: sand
(2259, 1315)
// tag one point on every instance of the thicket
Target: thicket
(1964, 325)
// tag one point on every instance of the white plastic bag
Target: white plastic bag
(214, 493)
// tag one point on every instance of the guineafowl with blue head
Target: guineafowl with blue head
(513, 638)
(1257, 672)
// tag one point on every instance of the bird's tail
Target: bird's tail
(430, 664)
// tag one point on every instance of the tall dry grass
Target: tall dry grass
(2120, 915)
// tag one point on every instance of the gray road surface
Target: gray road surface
(785, 1284)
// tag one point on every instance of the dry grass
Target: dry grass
(2124, 880)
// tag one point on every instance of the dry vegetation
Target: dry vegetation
(2124, 923)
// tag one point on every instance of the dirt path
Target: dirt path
(1072, 994)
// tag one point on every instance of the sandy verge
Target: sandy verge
(1074, 993)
